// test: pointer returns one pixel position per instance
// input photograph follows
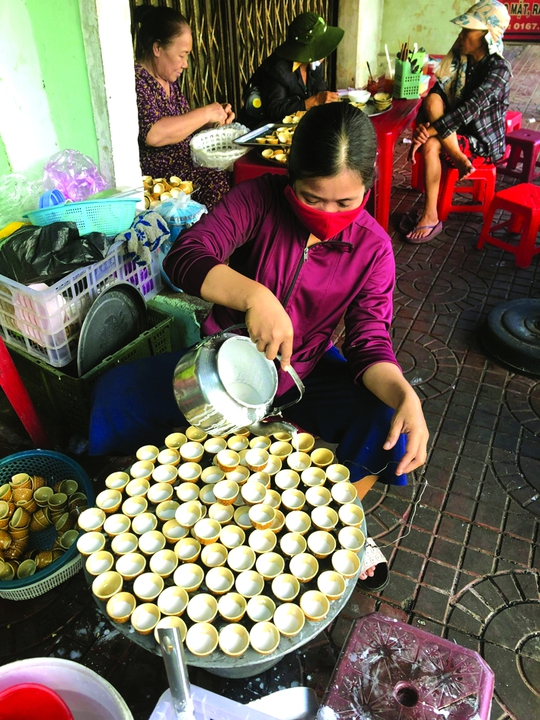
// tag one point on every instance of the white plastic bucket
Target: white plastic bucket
(88, 696)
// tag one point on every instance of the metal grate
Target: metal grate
(232, 37)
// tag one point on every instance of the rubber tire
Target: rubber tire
(511, 334)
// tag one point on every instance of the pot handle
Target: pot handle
(206, 339)
(299, 384)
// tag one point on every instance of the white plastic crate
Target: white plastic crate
(46, 322)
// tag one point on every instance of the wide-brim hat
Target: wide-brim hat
(489, 15)
(309, 38)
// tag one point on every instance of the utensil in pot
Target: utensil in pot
(224, 384)
(175, 665)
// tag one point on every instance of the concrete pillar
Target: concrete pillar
(362, 22)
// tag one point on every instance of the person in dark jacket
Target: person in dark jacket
(292, 78)
(463, 117)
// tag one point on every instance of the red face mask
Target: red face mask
(324, 225)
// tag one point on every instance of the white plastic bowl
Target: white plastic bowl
(359, 96)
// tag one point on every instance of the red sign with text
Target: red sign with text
(525, 21)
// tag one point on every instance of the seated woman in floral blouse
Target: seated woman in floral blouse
(166, 122)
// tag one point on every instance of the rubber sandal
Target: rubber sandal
(381, 578)
(434, 231)
(408, 221)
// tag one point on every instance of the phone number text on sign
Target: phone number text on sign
(525, 21)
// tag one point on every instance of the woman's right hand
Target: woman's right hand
(269, 325)
(217, 114)
(321, 98)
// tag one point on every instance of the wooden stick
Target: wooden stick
(369, 70)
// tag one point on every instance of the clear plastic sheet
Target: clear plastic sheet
(74, 174)
(17, 196)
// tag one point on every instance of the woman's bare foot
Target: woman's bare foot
(368, 573)
(463, 165)
(424, 227)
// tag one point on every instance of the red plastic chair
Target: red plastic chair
(480, 187)
(12, 385)
(524, 146)
(523, 203)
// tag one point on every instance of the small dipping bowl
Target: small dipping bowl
(206, 495)
(173, 600)
(99, 562)
(351, 538)
(262, 541)
(91, 542)
(264, 638)
(324, 518)
(145, 617)
(189, 471)
(202, 639)
(274, 465)
(130, 565)
(304, 566)
(195, 434)
(219, 580)
(253, 492)
(249, 583)
(351, 514)
(187, 491)
(214, 555)
(117, 480)
(303, 442)
(189, 576)
(261, 477)
(151, 542)
(165, 474)
(187, 549)
(346, 562)
(173, 531)
(261, 608)
(107, 584)
(116, 524)
(214, 445)
(270, 565)
(124, 544)
(293, 499)
(175, 440)
(227, 460)
(148, 586)
(206, 531)
(91, 520)
(167, 510)
(121, 606)
(272, 498)
(159, 492)
(145, 522)
(191, 451)
(142, 469)
(226, 491)
(298, 521)
(257, 459)
(147, 452)
(169, 456)
(262, 516)
(241, 558)
(287, 479)
(232, 606)
(331, 584)
(238, 442)
(164, 563)
(212, 475)
(318, 496)
(280, 449)
(223, 514)
(289, 619)
(202, 608)
(292, 543)
(260, 442)
(234, 640)
(134, 506)
(241, 517)
(321, 543)
(285, 587)
(279, 522)
(299, 461)
(313, 476)
(337, 473)
(188, 514)
(315, 605)
(322, 457)
(239, 475)
(168, 622)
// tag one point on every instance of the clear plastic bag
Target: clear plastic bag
(17, 196)
(74, 174)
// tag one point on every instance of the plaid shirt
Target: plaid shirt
(480, 116)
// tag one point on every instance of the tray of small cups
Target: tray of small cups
(249, 545)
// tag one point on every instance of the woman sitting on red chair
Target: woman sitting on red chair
(463, 117)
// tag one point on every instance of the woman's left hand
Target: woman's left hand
(229, 111)
(409, 419)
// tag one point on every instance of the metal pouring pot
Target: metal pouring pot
(224, 384)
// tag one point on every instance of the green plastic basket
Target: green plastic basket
(65, 400)
(406, 83)
(108, 216)
(53, 467)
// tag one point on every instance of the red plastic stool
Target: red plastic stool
(481, 187)
(524, 150)
(12, 385)
(523, 203)
(513, 122)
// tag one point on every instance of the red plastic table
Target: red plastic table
(388, 128)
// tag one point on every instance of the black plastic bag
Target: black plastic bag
(48, 253)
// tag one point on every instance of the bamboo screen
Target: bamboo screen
(232, 37)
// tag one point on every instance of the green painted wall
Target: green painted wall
(426, 22)
(56, 27)
(5, 167)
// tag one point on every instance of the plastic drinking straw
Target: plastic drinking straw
(388, 60)
(369, 70)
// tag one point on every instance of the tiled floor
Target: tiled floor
(462, 539)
